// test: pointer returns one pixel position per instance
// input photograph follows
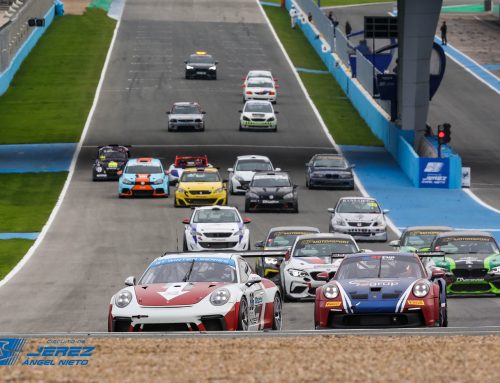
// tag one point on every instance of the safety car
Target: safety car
(258, 115)
(311, 255)
(417, 238)
(382, 290)
(143, 177)
(244, 169)
(278, 238)
(329, 170)
(272, 191)
(186, 115)
(260, 88)
(360, 217)
(216, 228)
(176, 169)
(200, 186)
(202, 292)
(472, 260)
(110, 161)
(201, 64)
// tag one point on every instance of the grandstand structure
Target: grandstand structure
(14, 28)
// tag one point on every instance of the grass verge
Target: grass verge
(11, 252)
(342, 119)
(52, 93)
(26, 200)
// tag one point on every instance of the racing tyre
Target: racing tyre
(121, 326)
(443, 316)
(230, 187)
(241, 128)
(185, 245)
(296, 210)
(247, 208)
(277, 318)
(243, 315)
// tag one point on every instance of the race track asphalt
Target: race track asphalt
(97, 239)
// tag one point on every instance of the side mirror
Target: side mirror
(168, 112)
(185, 221)
(438, 273)
(288, 254)
(331, 210)
(276, 86)
(276, 112)
(295, 186)
(216, 62)
(352, 166)
(230, 170)
(275, 79)
(259, 245)
(385, 211)
(130, 281)
(203, 112)
(324, 276)
(308, 164)
(253, 279)
(185, 62)
(167, 172)
(277, 170)
(247, 220)
(243, 78)
(394, 243)
(240, 111)
(224, 181)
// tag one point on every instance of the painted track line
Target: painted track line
(225, 146)
(60, 200)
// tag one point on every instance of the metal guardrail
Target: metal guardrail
(15, 32)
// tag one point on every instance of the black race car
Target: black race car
(329, 170)
(271, 191)
(110, 161)
(201, 64)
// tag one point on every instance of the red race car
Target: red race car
(183, 162)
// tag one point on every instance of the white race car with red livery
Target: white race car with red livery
(202, 292)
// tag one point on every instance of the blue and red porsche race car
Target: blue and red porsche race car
(382, 290)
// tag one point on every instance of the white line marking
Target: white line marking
(60, 200)
(357, 5)
(224, 145)
(471, 194)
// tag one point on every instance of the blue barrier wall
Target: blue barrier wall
(7, 75)
(398, 142)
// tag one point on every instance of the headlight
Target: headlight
(123, 298)
(173, 120)
(239, 178)
(495, 270)
(220, 190)
(331, 291)
(245, 118)
(220, 297)
(98, 169)
(339, 221)
(380, 221)
(252, 195)
(270, 261)
(158, 181)
(345, 175)
(297, 273)
(189, 67)
(270, 119)
(181, 190)
(212, 67)
(421, 289)
(127, 182)
(288, 196)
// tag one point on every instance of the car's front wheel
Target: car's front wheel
(443, 316)
(277, 318)
(243, 315)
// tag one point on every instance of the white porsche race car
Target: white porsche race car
(216, 228)
(202, 292)
(310, 256)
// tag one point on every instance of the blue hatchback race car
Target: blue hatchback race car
(143, 177)
(382, 290)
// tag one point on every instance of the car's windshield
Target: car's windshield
(201, 59)
(258, 108)
(106, 154)
(253, 165)
(260, 84)
(318, 247)
(259, 74)
(466, 245)
(380, 266)
(200, 177)
(329, 162)
(185, 109)
(419, 238)
(271, 182)
(143, 169)
(195, 269)
(190, 162)
(359, 206)
(215, 216)
(284, 238)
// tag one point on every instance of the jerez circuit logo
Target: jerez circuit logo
(433, 167)
(10, 349)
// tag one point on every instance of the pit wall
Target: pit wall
(7, 75)
(398, 142)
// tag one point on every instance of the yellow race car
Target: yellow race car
(200, 187)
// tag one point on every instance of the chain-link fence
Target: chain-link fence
(16, 30)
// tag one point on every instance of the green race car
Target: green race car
(472, 260)
(418, 238)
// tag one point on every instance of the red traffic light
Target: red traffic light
(441, 134)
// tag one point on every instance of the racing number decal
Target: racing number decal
(255, 308)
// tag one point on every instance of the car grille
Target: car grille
(143, 183)
(217, 235)
(359, 296)
(258, 119)
(380, 320)
(217, 245)
(161, 327)
(200, 192)
(470, 273)
(185, 121)
(205, 201)
(142, 193)
(470, 287)
(366, 232)
(359, 224)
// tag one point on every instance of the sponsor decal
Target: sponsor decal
(166, 261)
(333, 304)
(434, 172)
(173, 290)
(416, 302)
(373, 283)
(56, 352)
(423, 232)
(323, 241)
